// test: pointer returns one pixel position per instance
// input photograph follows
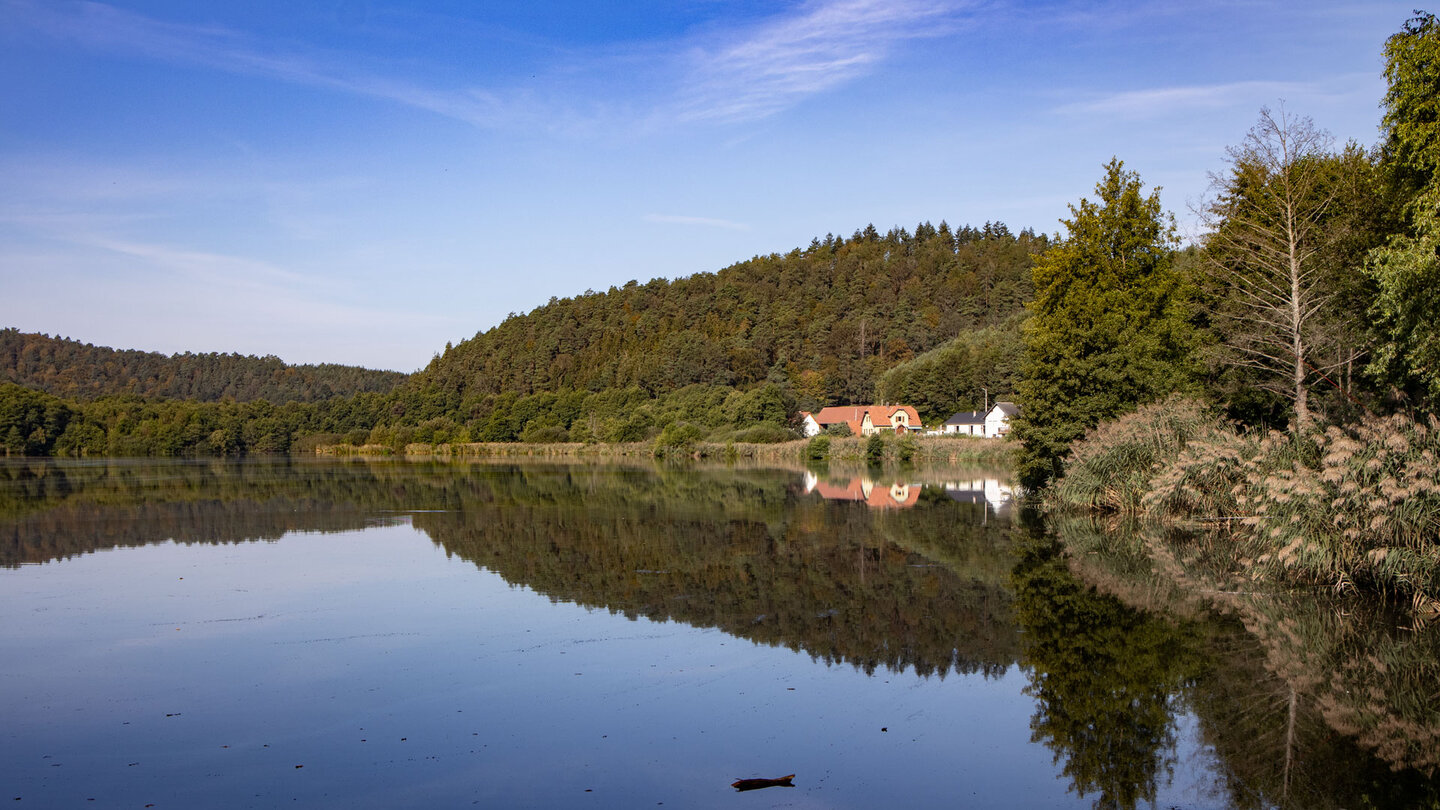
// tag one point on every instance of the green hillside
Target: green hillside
(728, 356)
(823, 323)
(74, 370)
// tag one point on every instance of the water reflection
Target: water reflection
(743, 551)
(1108, 681)
(880, 492)
(1136, 685)
(1291, 682)
(863, 489)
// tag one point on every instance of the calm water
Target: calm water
(211, 634)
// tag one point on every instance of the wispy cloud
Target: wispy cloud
(753, 74)
(217, 269)
(709, 222)
(727, 75)
(106, 28)
(1163, 101)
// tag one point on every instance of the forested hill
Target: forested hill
(824, 322)
(74, 370)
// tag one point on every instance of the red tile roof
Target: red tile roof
(854, 415)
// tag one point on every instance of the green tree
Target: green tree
(1109, 327)
(1406, 270)
(1407, 308)
(1412, 104)
(875, 449)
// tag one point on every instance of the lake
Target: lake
(181, 634)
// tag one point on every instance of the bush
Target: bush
(765, 434)
(1358, 504)
(678, 437)
(907, 447)
(1205, 480)
(818, 449)
(875, 449)
(1362, 502)
(544, 434)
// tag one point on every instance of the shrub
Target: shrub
(818, 449)
(544, 434)
(765, 434)
(1364, 506)
(1205, 480)
(875, 449)
(678, 437)
(907, 447)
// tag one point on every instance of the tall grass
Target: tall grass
(1367, 510)
(1351, 506)
(1111, 468)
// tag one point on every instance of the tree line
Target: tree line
(732, 355)
(824, 323)
(80, 371)
(1311, 301)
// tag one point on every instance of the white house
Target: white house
(997, 421)
(966, 423)
(808, 426)
(991, 424)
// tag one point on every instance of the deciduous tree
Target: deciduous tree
(1269, 218)
(1406, 270)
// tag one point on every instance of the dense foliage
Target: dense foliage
(1412, 105)
(1110, 323)
(74, 370)
(824, 323)
(1406, 270)
(33, 423)
(979, 366)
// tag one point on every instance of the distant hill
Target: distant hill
(823, 322)
(931, 317)
(79, 371)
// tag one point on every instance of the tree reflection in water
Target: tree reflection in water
(1107, 679)
(1121, 635)
(1306, 700)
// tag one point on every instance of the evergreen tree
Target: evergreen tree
(1109, 327)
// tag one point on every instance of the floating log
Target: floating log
(756, 784)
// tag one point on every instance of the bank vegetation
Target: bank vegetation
(1346, 506)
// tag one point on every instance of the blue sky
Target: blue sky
(360, 182)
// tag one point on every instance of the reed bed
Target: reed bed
(906, 449)
(1351, 506)
(1111, 468)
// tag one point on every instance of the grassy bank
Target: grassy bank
(1349, 506)
(908, 449)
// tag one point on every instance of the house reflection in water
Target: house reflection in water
(898, 495)
(988, 492)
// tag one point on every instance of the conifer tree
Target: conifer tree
(1109, 327)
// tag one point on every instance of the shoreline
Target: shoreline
(929, 449)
